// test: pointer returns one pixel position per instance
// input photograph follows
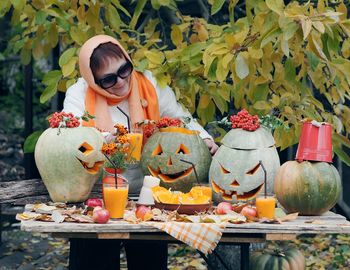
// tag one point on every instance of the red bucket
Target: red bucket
(315, 142)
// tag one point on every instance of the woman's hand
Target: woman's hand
(212, 146)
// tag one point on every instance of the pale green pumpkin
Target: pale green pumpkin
(69, 162)
(235, 173)
(310, 188)
(280, 259)
(162, 154)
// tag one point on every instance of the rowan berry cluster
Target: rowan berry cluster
(169, 122)
(245, 121)
(148, 130)
(62, 119)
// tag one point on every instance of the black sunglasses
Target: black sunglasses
(111, 79)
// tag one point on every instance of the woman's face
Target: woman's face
(121, 88)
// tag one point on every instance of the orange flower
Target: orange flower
(122, 139)
(121, 130)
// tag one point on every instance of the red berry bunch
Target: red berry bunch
(245, 121)
(169, 122)
(148, 130)
(62, 119)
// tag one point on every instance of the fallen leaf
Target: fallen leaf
(57, 217)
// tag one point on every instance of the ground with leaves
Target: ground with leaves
(26, 251)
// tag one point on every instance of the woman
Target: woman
(109, 86)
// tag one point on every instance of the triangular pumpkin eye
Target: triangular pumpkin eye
(254, 169)
(223, 170)
(85, 148)
(182, 150)
(157, 151)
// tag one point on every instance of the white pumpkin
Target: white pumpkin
(235, 173)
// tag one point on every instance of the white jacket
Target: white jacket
(168, 106)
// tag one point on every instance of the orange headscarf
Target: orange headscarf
(97, 99)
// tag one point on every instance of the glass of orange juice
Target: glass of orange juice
(135, 141)
(265, 206)
(115, 196)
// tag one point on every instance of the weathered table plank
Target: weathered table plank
(302, 225)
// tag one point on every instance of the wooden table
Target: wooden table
(242, 234)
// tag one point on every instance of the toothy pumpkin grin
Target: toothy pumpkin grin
(168, 178)
(94, 169)
(228, 197)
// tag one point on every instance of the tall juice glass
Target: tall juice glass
(115, 195)
(265, 206)
(135, 141)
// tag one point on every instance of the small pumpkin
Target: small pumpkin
(279, 259)
(163, 152)
(235, 173)
(69, 161)
(310, 188)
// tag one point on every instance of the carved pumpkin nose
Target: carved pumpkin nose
(234, 184)
(170, 162)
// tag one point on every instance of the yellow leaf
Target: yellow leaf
(202, 33)
(321, 6)
(285, 47)
(342, 9)
(260, 80)
(261, 105)
(319, 26)
(316, 49)
(306, 25)
(241, 67)
(241, 35)
(226, 60)
(275, 5)
(203, 101)
(288, 110)
(275, 100)
(155, 57)
(176, 35)
(346, 48)
(221, 72)
(255, 53)
(68, 68)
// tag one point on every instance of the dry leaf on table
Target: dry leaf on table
(57, 216)
(27, 216)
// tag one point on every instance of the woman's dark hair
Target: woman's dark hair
(102, 54)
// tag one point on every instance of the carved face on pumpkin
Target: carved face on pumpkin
(235, 172)
(163, 152)
(69, 162)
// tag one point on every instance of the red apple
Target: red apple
(93, 202)
(223, 208)
(249, 211)
(100, 216)
(143, 212)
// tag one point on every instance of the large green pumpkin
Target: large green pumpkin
(69, 162)
(162, 154)
(310, 188)
(281, 259)
(235, 173)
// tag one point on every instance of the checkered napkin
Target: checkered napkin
(201, 236)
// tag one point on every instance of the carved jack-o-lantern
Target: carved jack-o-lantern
(69, 162)
(235, 173)
(162, 154)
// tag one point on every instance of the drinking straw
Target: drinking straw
(194, 168)
(265, 180)
(127, 117)
(115, 170)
